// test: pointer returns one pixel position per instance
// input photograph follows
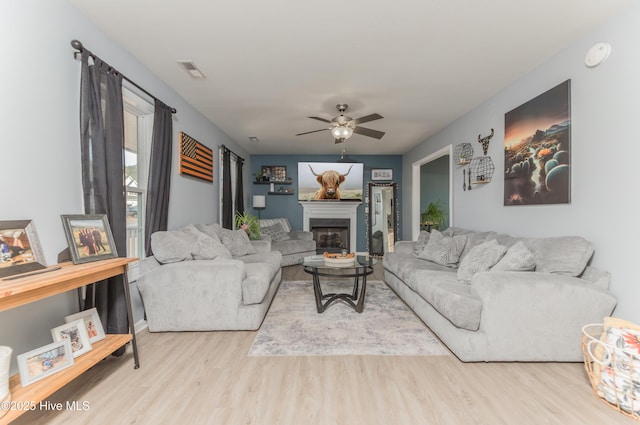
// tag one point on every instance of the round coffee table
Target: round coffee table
(361, 267)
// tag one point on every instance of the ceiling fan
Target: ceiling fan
(343, 127)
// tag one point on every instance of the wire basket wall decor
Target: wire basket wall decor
(614, 372)
(481, 170)
(463, 153)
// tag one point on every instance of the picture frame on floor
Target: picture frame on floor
(89, 237)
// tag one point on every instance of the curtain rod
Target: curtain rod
(232, 152)
(80, 48)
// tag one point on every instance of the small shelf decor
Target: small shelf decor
(481, 170)
(463, 153)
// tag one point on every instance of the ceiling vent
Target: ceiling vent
(191, 68)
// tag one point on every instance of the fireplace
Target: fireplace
(330, 234)
(347, 210)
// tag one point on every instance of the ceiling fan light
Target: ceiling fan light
(342, 132)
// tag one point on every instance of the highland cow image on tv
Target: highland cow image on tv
(330, 181)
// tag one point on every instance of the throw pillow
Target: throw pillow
(442, 249)
(173, 245)
(237, 242)
(211, 230)
(276, 232)
(207, 248)
(517, 259)
(480, 259)
(423, 238)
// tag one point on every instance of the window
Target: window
(138, 127)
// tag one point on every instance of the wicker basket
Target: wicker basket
(614, 372)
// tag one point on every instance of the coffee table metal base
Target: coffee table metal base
(354, 299)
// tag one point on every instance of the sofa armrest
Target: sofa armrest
(199, 287)
(404, 247)
(536, 304)
(301, 235)
(262, 246)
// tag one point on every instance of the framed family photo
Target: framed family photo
(92, 323)
(20, 250)
(44, 361)
(76, 332)
(89, 237)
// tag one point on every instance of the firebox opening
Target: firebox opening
(331, 235)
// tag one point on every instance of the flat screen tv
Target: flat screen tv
(330, 181)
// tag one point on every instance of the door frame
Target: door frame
(415, 185)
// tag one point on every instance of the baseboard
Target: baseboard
(140, 326)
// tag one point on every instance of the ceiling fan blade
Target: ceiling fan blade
(367, 118)
(320, 119)
(369, 132)
(314, 131)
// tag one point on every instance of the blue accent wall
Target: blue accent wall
(288, 205)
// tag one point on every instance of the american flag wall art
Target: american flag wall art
(196, 160)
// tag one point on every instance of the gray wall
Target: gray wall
(40, 147)
(604, 207)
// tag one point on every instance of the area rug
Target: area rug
(293, 327)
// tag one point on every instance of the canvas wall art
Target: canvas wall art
(537, 149)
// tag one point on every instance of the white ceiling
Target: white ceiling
(270, 64)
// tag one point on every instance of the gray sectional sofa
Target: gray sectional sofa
(529, 306)
(204, 278)
(292, 244)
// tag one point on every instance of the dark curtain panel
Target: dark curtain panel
(227, 205)
(157, 209)
(239, 188)
(102, 150)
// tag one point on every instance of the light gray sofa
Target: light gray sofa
(295, 245)
(505, 315)
(214, 292)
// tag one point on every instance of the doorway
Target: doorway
(433, 182)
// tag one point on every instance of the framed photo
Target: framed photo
(44, 361)
(20, 249)
(89, 237)
(275, 173)
(382, 174)
(76, 332)
(92, 322)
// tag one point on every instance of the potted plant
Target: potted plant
(259, 176)
(249, 223)
(433, 216)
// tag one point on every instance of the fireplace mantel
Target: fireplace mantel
(332, 209)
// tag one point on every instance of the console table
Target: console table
(63, 277)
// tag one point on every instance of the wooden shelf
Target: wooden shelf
(20, 290)
(284, 182)
(279, 193)
(40, 390)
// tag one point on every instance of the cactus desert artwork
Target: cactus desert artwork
(537, 149)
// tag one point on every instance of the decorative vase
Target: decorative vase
(272, 187)
(5, 362)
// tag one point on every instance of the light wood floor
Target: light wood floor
(207, 378)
